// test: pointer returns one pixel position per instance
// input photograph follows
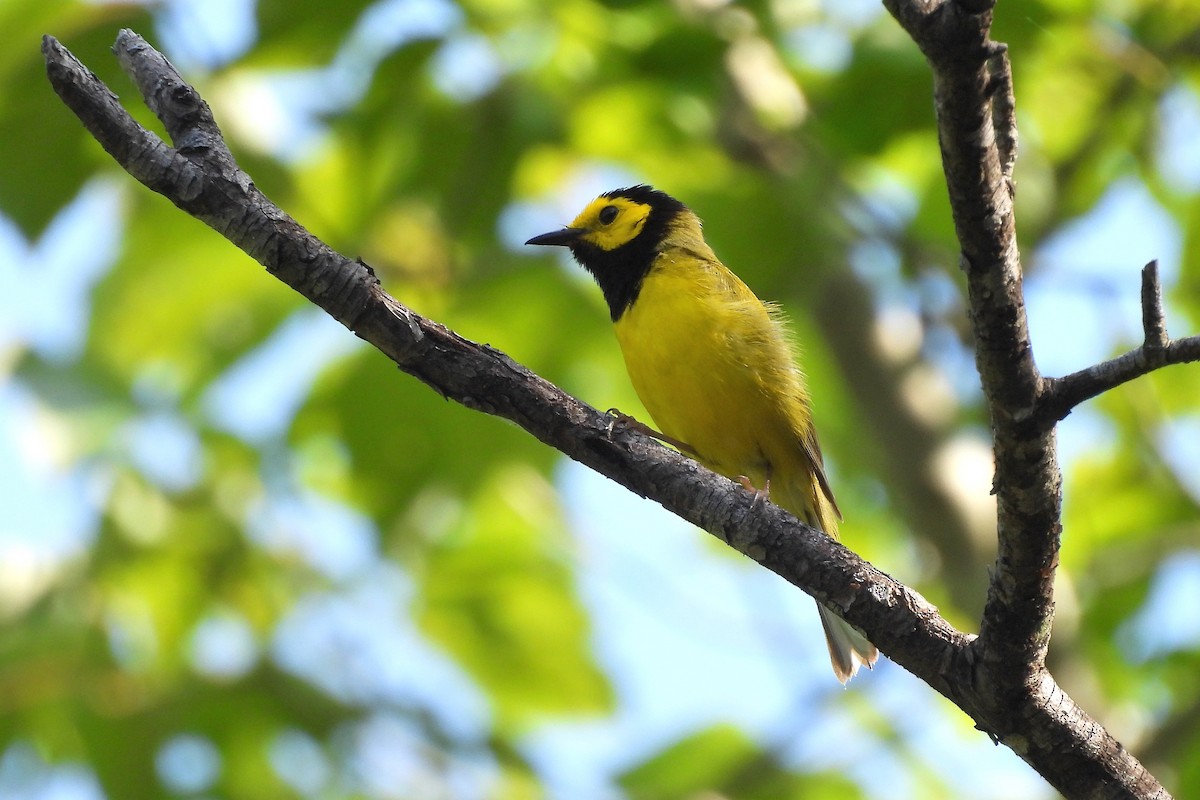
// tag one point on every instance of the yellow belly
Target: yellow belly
(714, 370)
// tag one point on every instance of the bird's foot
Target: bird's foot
(760, 495)
(619, 418)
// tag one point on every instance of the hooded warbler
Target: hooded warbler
(710, 361)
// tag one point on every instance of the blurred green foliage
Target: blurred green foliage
(803, 135)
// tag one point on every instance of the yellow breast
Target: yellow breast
(715, 370)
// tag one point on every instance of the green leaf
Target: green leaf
(723, 761)
(303, 33)
(497, 593)
(192, 310)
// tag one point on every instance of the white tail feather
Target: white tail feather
(847, 647)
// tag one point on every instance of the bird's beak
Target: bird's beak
(565, 237)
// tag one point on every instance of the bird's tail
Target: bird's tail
(809, 499)
(847, 647)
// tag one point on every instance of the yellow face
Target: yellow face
(619, 236)
(610, 222)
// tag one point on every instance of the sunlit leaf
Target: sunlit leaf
(498, 595)
(721, 758)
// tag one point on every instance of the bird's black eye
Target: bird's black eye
(608, 214)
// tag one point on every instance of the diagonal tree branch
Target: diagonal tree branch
(999, 679)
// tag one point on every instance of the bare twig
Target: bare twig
(1154, 324)
(1061, 395)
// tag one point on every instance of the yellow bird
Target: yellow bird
(710, 361)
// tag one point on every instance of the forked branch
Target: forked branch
(1061, 395)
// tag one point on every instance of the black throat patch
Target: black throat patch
(621, 271)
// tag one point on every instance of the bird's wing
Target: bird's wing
(812, 451)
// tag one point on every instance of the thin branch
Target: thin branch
(1158, 350)
(1154, 324)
